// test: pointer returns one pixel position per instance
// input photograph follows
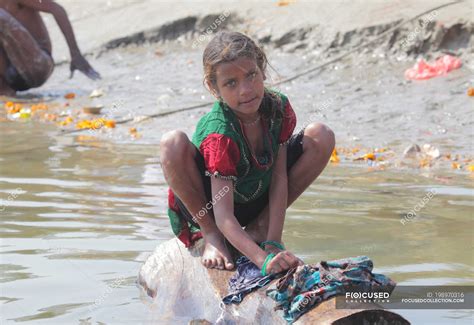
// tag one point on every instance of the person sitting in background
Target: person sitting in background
(25, 46)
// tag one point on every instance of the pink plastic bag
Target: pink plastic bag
(423, 70)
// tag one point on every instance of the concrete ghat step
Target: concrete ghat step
(181, 287)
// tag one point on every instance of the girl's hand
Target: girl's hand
(283, 261)
(272, 249)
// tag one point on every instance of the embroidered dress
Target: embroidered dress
(220, 138)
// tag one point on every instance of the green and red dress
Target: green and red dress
(221, 142)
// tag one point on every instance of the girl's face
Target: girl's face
(240, 84)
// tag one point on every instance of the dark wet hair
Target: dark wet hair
(227, 46)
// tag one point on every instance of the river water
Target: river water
(79, 216)
(81, 212)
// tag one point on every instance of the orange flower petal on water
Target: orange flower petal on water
(67, 120)
(455, 165)
(9, 105)
(134, 133)
(369, 156)
(110, 124)
(425, 162)
(84, 124)
(282, 3)
(37, 107)
(70, 96)
(13, 108)
(95, 124)
(334, 157)
(470, 91)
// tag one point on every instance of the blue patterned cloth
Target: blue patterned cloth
(246, 279)
(306, 286)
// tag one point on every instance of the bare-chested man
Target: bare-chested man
(25, 47)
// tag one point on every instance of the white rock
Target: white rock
(431, 151)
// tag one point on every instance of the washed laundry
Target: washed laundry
(246, 279)
(303, 287)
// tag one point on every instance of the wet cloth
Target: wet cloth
(306, 286)
(246, 279)
(223, 151)
(423, 70)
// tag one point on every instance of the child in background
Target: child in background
(25, 47)
(243, 167)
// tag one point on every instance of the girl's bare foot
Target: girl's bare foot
(216, 255)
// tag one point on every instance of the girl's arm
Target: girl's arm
(228, 224)
(278, 200)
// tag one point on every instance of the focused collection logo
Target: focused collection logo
(378, 297)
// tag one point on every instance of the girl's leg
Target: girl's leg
(182, 174)
(318, 144)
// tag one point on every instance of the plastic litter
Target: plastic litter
(424, 70)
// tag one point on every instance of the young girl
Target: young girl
(243, 167)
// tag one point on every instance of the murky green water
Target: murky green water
(79, 217)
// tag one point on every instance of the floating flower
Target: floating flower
(334, 157)
(470, 91)
(134, 133)
(110, 124)
(282, 3)
(70, 96)
(25, 113)
(425, 162)
(95, 124)
(367, 156)
(37, 107)
(13, 108)
(67, 120)
(455, 165)
(9, 105)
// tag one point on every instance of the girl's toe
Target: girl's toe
(229, 265)
(205, 262)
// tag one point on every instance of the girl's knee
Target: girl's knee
(174, 145)
(322, 138)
